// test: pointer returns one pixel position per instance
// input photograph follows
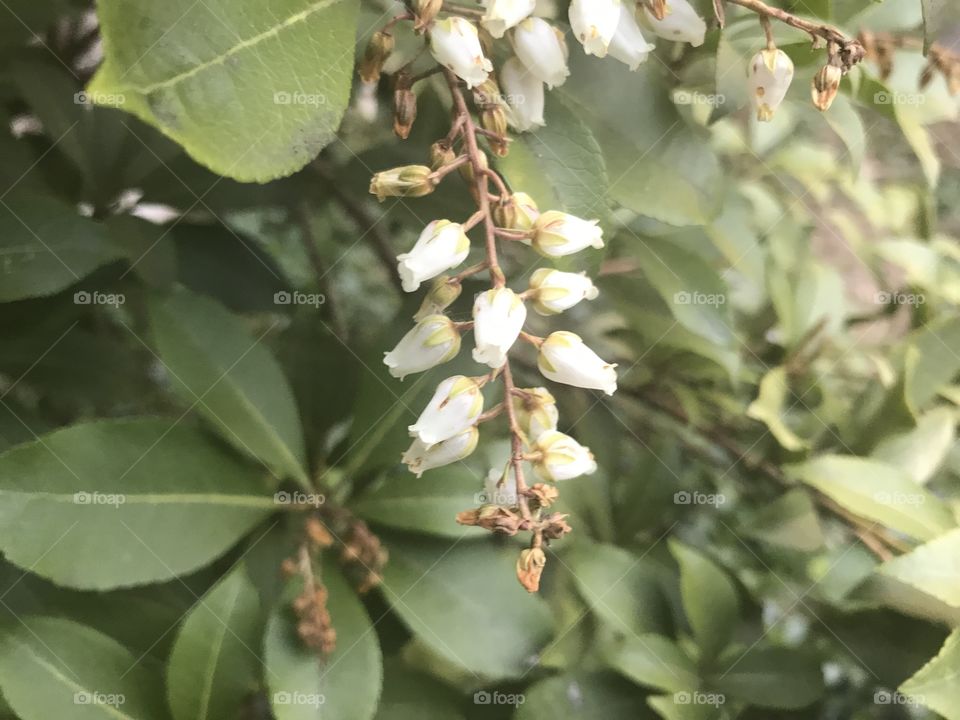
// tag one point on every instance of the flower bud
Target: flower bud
(404, 107)
(419, 458)
(443, 292)
(525, 97)
(826, 83)
(425, 11)
(375, 55)
(498, 317)
(769, 78)
(406, 181)
(442, 245)
(466, 170)
(562, 458)
(555, 291)
(536, 411)
(504, 14)
(680, 22)
(564, 358)
(542, 50)
(433, 341)
(441, 154)
(628, 44)
(530, 566)
(494, 120)
(455, 406)
(455, 44)
(558, 234)
(594, 23)
(516, 212)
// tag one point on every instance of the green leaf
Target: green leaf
(709, 599)
(846, 123)
(124, 502)
(937, 684)
(253, 92)
(937, 363)
(428, 504)
(413, 695)
(345, 686)
(921, 451)
(772, 677)
(654, 661)
(679, 706)
(56, 668)
(46, 247)
(215, 661)
(878, 492)
(465, 603)
(769, 409)
(791, 521)
(582, 696)
(933, 568)
(231, 379)
(560, 165)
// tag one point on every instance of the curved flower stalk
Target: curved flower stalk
(535, 60)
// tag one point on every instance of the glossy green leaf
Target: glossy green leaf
(878, 492)
(215, 662)
(933, 568)
(346, 685)
(124, 502)
(653, 661)
(937, 684)
(230, 378)
(412, 695)
(771, 677)
(254, 91)
(921, 451)
(56, 668)
(465, 603)
(709, 599)
(791, 521)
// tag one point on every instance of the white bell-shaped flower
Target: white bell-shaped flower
(536, 411)
(442, 245)
(502, 15)
(542, 50)
(524, 94)
(564, 358)
(769, 77)
(455, 406)
(680, 23)
(628, 44)
(419, 458)
(433, 341)
(562, 457)
(554, 291)
(558, 234)
(455, 44)
(594, 23)
(498, 317)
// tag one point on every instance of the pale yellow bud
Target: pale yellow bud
(406, 181)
